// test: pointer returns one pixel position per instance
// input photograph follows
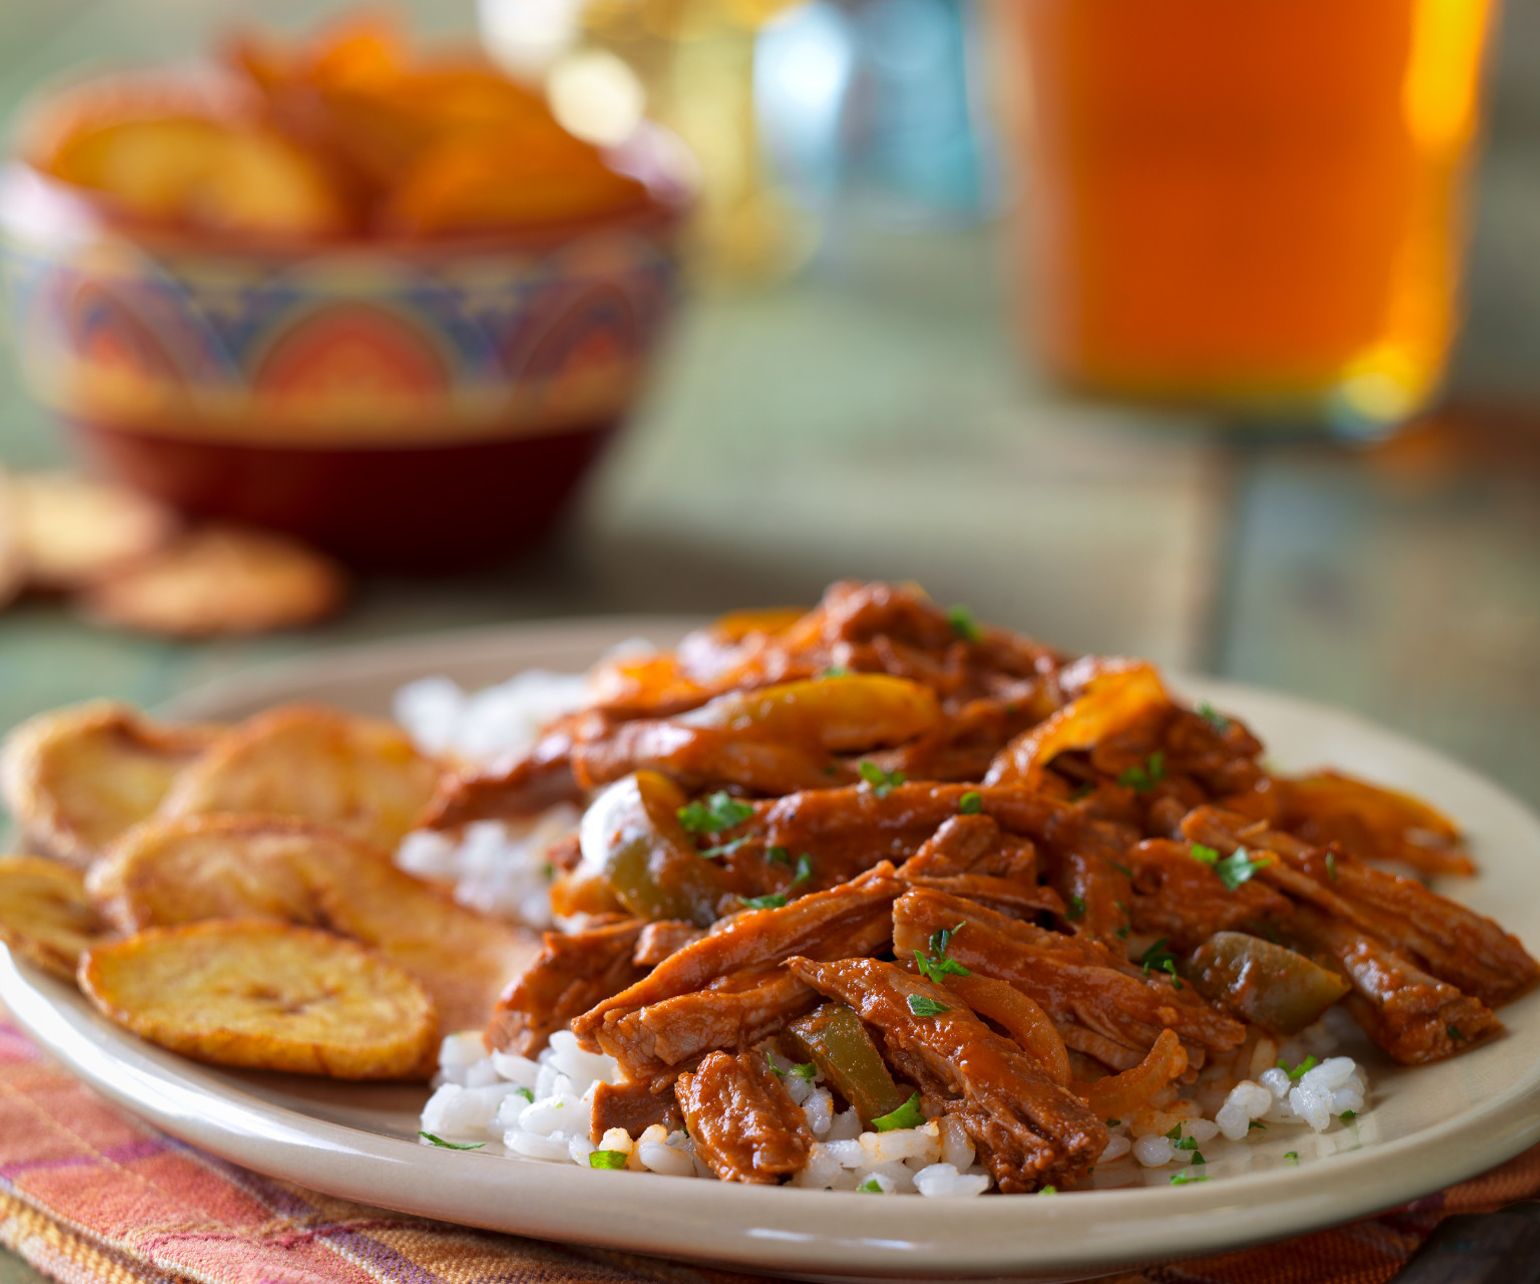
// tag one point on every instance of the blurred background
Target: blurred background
(1210, 338)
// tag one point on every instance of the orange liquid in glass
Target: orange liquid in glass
(1245, 202)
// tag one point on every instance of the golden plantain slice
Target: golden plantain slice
(219, 581)
(229, 866)
(13, 563)
(45, 914)
(265, 996)
(363, 776)
(77, 778)
(73, 531)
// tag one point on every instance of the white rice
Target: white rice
(540, 1109)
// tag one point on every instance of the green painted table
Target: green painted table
(869, 419)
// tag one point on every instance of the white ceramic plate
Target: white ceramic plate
(1424, 1129)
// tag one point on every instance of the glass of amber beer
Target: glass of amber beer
(1253, 205)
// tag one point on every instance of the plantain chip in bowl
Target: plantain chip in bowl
(77, 778)
(45, 915)
(362, 775)
(264, 996)
(230, 866)
(220, 581)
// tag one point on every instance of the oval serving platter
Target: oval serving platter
(1422, 1130)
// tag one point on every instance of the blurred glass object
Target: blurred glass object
(1256, 206)
(873, 104)
(688, 64)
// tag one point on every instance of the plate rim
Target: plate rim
(970, 1237)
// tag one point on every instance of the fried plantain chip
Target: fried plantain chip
(230, 866)
(13, 564)
(70, 532)
(220, 581)
(77, 778)
(266, 996)
(362, 775)
(45, 914)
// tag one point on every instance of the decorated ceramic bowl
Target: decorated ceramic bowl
(410, 403)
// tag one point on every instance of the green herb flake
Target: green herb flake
(908, 1115)
(1347, 1116)
(606, 1159)
(1113, 1123)
(775, 900)
(1174, 1134)
(835, 671)
(1160, 959)
(1331, 866)
(882, 782)
(870, 1187)
(922, 1005)
(1049, 1190)
(1147, 775)
(1076, 906)
(1213, 717)
(549, 870)
(971, 803)
(1296, 1073)
(1292, 1156)
(963, 624)
(1205, 854)
(451, 1145)
(723, 849)
(1187, 1177)
(938, 969)
(1083, 791)
(1256, 1125)
(802, 1070)
(1239, 867)
(803, 870)
(712, 815)
(526, 1094)
(1455, 1033)
(1185, 1143)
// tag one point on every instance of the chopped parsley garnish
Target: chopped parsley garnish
(1347, 1116)
(1122, 932)
(1292, 1156)
(1197, 1157)
(1173, 1134)
(1113, 1123)
(882, 782)
(1184, 1143)
(802, 867)
(1123, 870)
(963, 624)
(1160, 959)
(1256, 1125)
(938, 969)
(1077, 906)
(712, 815)
(525, 1093)
(451, 1145)
(549, 870)
(908, 1115)
(1213, 717)
(1331, 866)
(870, 1187)
(802, 1070)
(939, 966)
(1049, 1190)
(1187, 1176)
(606, 1159)
(835, 671)
(924, 1005)
(775, 900)
(1238, 867)
(971, 803)
(723, 849)
(1296, 1073)
(1146, 776)
(1205, 854)
(1455, 1033)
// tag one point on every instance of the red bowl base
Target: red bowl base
(426, 510)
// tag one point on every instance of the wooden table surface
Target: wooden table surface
(870, 418)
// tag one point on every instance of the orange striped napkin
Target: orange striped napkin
(89, 1194)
